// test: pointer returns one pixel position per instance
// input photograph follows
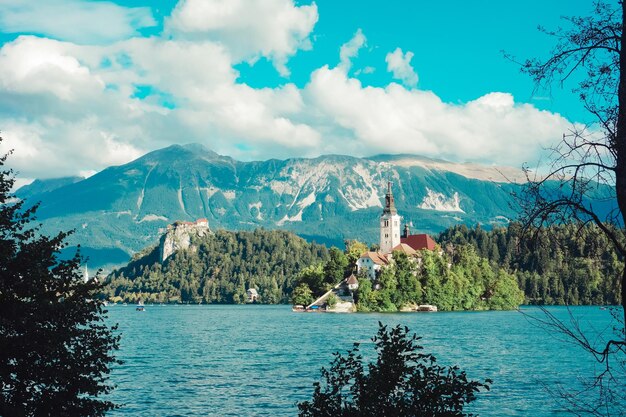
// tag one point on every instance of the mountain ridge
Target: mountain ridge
(329, 198)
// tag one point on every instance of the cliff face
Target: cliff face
(178, 236)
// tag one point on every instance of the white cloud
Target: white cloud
(74, 20)
(366, 70)
(68, 108)
(77, 104)
(366, 120)
(350, 50)
(250, 29)
(399, 65)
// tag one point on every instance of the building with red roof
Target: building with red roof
(417, 242)
(391, 240)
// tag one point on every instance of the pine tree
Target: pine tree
(56, 349)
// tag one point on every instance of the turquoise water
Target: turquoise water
(215, 360)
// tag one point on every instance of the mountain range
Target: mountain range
(123, 209)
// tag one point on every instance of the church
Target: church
(392, 240)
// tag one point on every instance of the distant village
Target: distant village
(372, 262)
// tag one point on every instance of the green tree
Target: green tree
(402, 382)
(55, 348)
(313, 277)
(589, 165)
(408, 289)
(335, 268)
(364, 295)
(302, 295)
(354, 250)
(219, 266)
(506, 293)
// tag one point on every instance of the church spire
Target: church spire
(390, 205)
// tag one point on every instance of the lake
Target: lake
(253, 360)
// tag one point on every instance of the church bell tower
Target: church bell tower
(389, 224)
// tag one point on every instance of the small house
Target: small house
(253, 295)
(371, 263)
(353, 283)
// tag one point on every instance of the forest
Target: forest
(219, 269)
(561, 264)
(475, 269)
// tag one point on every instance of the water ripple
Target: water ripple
(262, 360)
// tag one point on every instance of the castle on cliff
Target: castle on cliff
(178, 236)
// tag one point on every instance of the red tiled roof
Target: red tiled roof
(352, 280)
(419, 242)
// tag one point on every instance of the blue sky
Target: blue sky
(87, 84)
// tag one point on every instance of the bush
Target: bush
(402, 382)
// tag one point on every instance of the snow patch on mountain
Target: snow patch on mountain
(257, 206)
(152, 218)
(140, 198)
(307, 201)
(229, 194)
(209, 191)
(363, 197)
(439, 202)
(360, 198)
(501, 220)
(282, 187)
(296, 218)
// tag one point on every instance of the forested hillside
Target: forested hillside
(218, 269)
(559, 265)
(562, 264)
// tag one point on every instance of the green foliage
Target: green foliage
(402, 382)
(313, 277)
(365, 298)
(218, 268)
(335, 268)
(55, 348)
(332, 300)
(460, 282)
(354, 250)
(408, 287)
(302, 295)
(561, 264)
(321, 277)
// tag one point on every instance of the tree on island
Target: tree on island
(402, 382)
(588, 169)
(55, 348)
(302, 295)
